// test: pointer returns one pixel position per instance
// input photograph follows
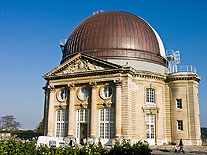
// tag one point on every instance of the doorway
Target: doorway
(83, 132)
(82, 125)
(150, 126)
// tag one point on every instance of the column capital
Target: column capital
(118, 82)
(93, 84)
(71, 86)
(45, 88)
(51, 88)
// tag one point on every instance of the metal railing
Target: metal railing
(188, 68)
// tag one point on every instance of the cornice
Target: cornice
(83, 74)
(151, 76)
(183, 76)
(124, 70)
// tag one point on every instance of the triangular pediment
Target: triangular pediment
(80, 63)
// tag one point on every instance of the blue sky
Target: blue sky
(30, 31)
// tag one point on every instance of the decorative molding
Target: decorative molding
(104, 105)
(194, 78)
(93, 84)
(81, 65)
(51, 88)
(82, 105)
(134, 74)
(150, 76)
(118, 82)
(150, 108)
(71, 86)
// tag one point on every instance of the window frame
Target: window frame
(61, 92)
(150, 124)
(179, 104)
(150, 96)
(82, 116)
(108, 93)
(180, 125)
(61, 123)
(83, 93)
(106, 123)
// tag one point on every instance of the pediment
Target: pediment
(81, 63)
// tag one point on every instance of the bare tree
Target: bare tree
(9, 123)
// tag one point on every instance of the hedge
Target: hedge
(16, 146)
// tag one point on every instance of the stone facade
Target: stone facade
(93, 84)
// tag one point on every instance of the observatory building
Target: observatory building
(116, 80)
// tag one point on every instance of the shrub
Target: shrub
(125, 148)
(16, 146)
(93, 149)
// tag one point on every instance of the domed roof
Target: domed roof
(115, 35)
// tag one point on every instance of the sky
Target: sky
(30, 31)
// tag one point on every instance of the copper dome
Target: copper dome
(115, 35)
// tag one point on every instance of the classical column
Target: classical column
(71, 110)
(46, 109)
(93, 132)
(118, 108)
(51, 112)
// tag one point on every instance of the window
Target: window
(179, 103)
(61, 123)
(150, 126)
(106, 119)
(83, 93)
(180, 125)
(150, 95)
(52, 143)
(62, 95)
(107, 92)
(83, 115)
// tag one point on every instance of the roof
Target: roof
(115, 35)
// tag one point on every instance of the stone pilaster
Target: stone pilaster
(93, 128)
(51, 112)
(71, 110)
(118, 84)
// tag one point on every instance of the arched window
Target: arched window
(61, 123)
(150, 95)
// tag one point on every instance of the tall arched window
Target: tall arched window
(61, 123)
(150, 95)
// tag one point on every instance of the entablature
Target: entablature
(183, 76)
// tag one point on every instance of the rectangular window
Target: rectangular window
(82, 117)
(106, 120)
(150, 95)
(102, 130)
(179, 103)
(150, 126)
(61, 123)
(180, 125)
